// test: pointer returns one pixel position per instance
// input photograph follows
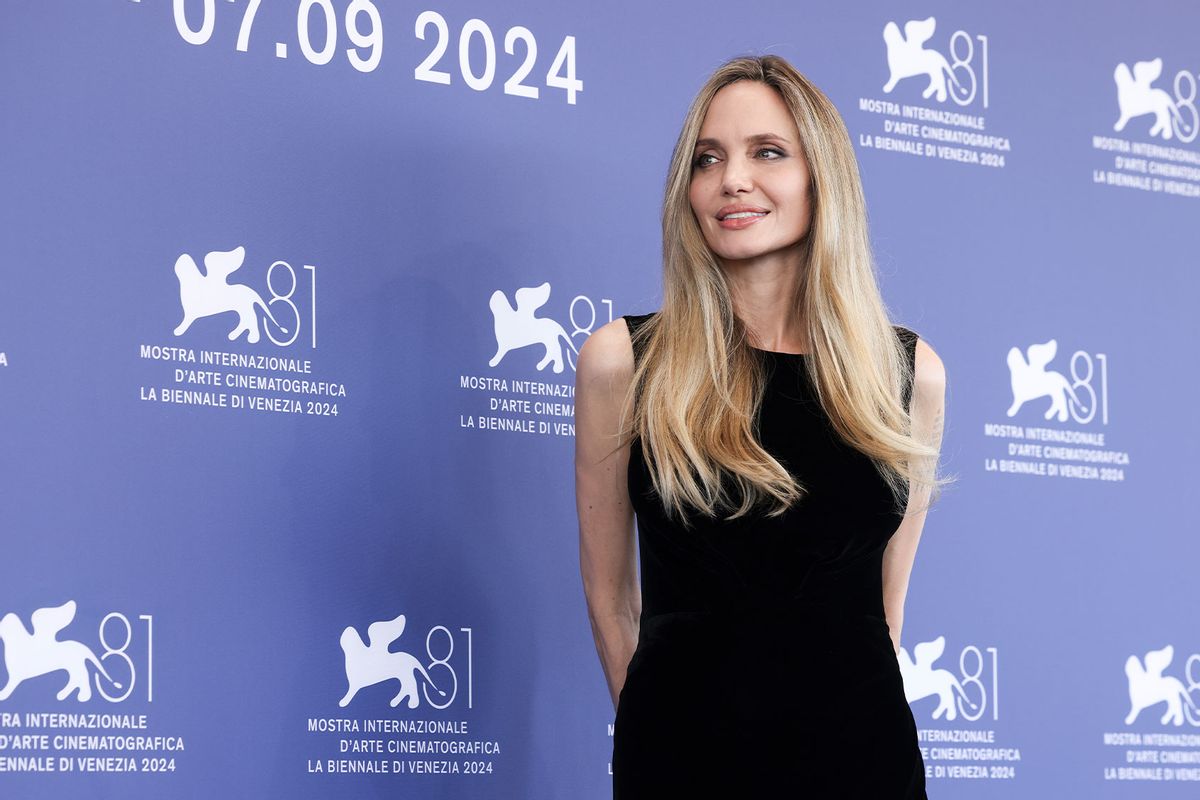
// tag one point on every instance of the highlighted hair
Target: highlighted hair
(698, 385)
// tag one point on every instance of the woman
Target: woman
(767, 431)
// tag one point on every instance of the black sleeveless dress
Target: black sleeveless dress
(764, 666)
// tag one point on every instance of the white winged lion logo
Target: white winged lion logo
(519, 327)
(28, 655)
(368, 664)
(208, 293)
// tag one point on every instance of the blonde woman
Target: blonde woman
(777, 439)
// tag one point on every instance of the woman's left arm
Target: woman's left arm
(928, 407)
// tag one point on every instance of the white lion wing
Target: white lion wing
(385, 632)
(222, 268)
(48, 622)
(1039, 355)
(929, 652)
(918, 31)
(1147, 72)
(530, 299)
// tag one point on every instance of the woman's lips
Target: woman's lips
(737, 223)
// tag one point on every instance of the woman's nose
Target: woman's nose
(736, 177)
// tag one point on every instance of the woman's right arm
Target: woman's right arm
(607, 551)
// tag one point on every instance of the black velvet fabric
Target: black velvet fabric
(764, 666)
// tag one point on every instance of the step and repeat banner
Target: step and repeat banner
(291, 296)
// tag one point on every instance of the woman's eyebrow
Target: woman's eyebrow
(758, 137)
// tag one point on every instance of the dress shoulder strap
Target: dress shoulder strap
(635, 321)
(908, 338)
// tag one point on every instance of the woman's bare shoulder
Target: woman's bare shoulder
(603, 373)
(930, 371)
(607, 354)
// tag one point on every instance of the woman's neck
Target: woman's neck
(763, 300)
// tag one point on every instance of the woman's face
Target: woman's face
(748, 154)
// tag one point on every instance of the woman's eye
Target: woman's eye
(700, 162)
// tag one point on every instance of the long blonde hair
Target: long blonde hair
(698, 386)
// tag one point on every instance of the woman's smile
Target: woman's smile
(742, 219)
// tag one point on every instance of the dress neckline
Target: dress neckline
(777, 353)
